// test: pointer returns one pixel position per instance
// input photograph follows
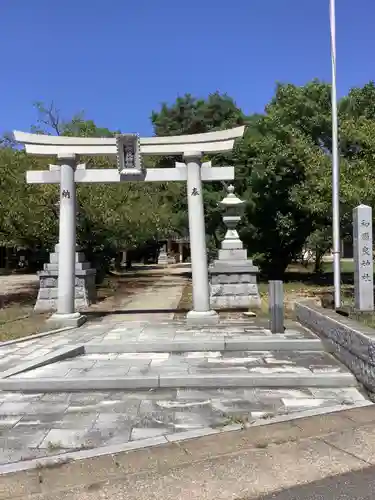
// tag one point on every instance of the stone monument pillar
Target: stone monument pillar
(84, 283)
(163, 256)
(233, 281)
(363, 258)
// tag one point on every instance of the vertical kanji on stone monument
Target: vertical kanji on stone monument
(363, 258)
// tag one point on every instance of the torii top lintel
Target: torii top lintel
(210, 142)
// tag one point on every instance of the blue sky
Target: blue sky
(119, 59)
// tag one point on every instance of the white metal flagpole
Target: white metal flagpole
(335, 166)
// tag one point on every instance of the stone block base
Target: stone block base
(85, 288)
(202, 318)
(163, 259)
(235, 301)
(61, 320)
(232, 287)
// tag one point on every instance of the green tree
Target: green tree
(190, 115)
(276, 172)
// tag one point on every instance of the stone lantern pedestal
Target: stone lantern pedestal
(233, 282)
(163, 256)
(84, 289)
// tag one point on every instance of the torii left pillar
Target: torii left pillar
(66, 314)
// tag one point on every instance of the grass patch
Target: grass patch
(367, 319)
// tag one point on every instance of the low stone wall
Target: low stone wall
(351, 342)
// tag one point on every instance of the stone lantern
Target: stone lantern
(233, 209)
(233, 283)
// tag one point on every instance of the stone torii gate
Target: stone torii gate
(129, 150)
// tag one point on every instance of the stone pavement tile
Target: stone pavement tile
(20, 397)
(139, 371)
(109, 371)
(150, 394)
(168, 363)
(137, 362)
(75, 420)
(155, 418)
(348, 394)
(239, 407)
(14, 408)
(77, 362)
(266, 394)
(225, 370)
(149, 432)
(87, 398)
(328, 369)
(76, 372)
(188, 421)
(23, 375)
(178, 405)
(212, 416)
(50, 371)
(305, 404)
(306, 358)
(196, 395)
(179, 370)
(110, 420)
(39, 421)
(236, 361)
(101, 357)
(22, 438)
(115, 364)
(358, 442)
(201, 355)
(279, 369)
(68, 438)
(56, 397)
(46, 407)
(127, 408)
(9, 455)
(7, 422)
(113, 429)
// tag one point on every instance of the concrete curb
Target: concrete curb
(66, 458)
(223, 344)
(291, 380)
(36, 336)
(57, 355)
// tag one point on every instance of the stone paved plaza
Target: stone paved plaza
(36, 424)
(166, 379)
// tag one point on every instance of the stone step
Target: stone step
(274, 343)
(151, 370)
(217, 380)
(137, 370)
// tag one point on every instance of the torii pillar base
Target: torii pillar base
(202, 318)
(73, 320)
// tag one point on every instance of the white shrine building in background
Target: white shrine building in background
(128, 150)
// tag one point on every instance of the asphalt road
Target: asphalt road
(353, 485)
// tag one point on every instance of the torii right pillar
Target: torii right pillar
(201, 312)
(233, 275)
